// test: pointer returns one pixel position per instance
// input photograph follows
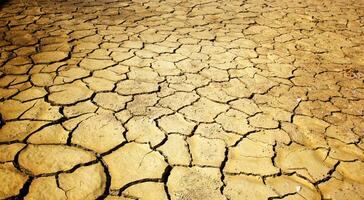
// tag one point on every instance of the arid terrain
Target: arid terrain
(182, 99)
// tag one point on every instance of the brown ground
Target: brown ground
(187, 100)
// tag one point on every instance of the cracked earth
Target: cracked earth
(182, 100)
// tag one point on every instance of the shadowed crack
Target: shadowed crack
(223, 163)
(2, 122)
(165, 177)
(107, 182)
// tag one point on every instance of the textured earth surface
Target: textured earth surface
(182, 100)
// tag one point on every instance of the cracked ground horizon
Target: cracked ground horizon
(182, 100)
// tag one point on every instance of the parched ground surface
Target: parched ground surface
(182, 100)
